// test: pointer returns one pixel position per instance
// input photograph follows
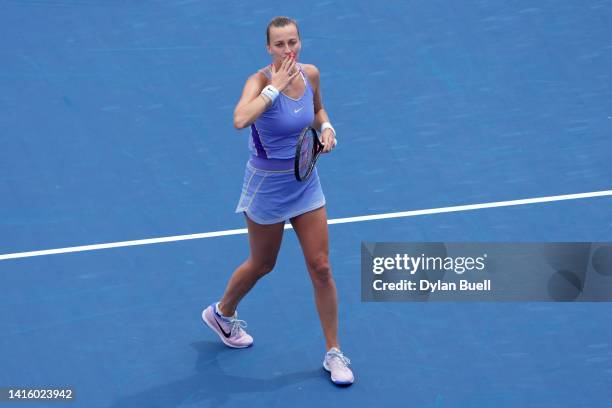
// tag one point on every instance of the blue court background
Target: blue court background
(116, 124)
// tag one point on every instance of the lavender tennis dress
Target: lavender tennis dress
(270, 192)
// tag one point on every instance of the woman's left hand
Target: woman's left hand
(328, 139)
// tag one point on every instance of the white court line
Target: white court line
(333, 221)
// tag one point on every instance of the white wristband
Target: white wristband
(327, 125)
(270, 92)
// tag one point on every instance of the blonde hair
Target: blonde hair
(280, 21)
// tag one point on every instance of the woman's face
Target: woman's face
(284, 41)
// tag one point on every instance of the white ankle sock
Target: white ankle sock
(218, 311)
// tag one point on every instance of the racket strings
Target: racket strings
(306, 156)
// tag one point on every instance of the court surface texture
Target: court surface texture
(116, 126)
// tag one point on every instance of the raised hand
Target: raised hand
(285, 74)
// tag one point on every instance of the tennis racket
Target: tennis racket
(307, 152)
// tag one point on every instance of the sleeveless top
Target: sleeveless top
(275, 132)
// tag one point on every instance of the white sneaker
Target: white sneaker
(337, 364)
(229, 329)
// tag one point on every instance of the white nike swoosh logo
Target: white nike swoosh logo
(297, 110)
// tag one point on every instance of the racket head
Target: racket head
(306, 153)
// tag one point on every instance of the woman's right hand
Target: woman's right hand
(285, 74)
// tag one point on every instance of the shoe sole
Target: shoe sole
(223, 339)
(337, 382)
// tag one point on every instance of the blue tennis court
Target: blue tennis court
(116, 125)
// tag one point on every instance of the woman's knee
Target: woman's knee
(320, 271)
(262, 267)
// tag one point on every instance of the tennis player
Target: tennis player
(277, 102)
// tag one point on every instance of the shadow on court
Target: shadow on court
(211, 384)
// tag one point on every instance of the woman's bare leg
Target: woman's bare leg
(311, 229)
(264, 242)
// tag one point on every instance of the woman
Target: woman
(277, 103)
